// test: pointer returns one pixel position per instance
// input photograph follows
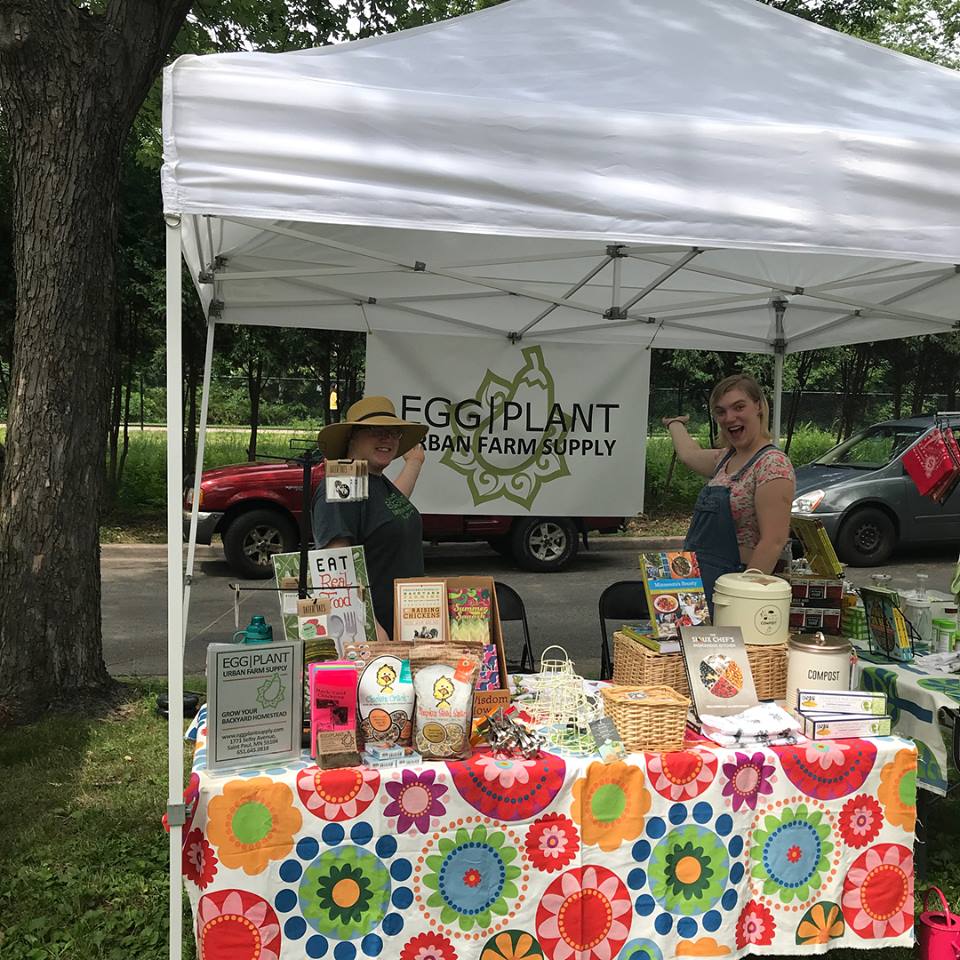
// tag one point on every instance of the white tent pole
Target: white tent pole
(779, 349)
(175, 808)
(197, 474)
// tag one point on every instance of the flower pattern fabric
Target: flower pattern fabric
(512, 945)
(683, 775)
(688, 870)
(860, 821)
(609, 804)
(471, 877)
(415, 800)
(199, 860)
(253, 822)
(552, 842)
(237, 925)
(878, 892)
(337, 795)
(585, 914)
(792, 852)
(515, 791)
(706, 852)
(749, 777)
(822, 923)
(428, 946)
(831, 773)
(898, 790)
(755, 927)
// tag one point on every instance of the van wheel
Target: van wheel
(544, 544)
(251, 541)
(867, 538)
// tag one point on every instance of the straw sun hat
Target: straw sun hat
(368, 412)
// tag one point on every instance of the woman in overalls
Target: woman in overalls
(742, 516)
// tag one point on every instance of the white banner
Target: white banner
(552, 429)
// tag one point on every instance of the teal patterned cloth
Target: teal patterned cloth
(922, 705)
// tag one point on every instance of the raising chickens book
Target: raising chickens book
(674, 592)
(718, 670)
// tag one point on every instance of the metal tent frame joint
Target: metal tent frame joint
(615, 313)
(176, 814)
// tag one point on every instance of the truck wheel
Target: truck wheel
(253, 538)
(867, 538)
(544, 544)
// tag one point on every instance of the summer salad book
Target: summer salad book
(718, 670)
(674, 592)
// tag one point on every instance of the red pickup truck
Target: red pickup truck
(255, 507)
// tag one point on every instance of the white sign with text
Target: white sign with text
(552, 429)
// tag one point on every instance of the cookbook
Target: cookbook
(718, 670)
(674, 592)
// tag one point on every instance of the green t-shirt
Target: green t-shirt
(388, 527)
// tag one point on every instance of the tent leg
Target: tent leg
(197, 473)
(175, 811)
(777, 394)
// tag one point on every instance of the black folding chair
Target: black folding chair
(623, 601)
(511, 608)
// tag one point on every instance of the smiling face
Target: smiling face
(739, 417)
(377, 445)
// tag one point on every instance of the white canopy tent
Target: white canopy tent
(708, 174)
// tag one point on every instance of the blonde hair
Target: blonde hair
(746, 383)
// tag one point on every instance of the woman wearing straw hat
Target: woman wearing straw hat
(387, 525)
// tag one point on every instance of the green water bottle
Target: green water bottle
(258, 631)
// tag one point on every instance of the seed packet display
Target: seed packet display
(385, 696)
(333, 713)
(443, 679)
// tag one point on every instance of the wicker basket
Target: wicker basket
(655, 723)
(768, 664)
(633, 663)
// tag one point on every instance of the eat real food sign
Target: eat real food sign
(544, 428)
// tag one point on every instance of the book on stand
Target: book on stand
(674, 592)
(718, 670)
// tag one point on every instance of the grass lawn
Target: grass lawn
(83, 854)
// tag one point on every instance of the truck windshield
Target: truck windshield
(873, 448)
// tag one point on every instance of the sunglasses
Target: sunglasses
(382, 433)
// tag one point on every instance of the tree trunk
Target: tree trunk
(71, 81)
(50, 642)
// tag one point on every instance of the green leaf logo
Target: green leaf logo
(518, 477)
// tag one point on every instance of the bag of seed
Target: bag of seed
(385, 695)
(443, 680)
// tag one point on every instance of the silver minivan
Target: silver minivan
(861, 491)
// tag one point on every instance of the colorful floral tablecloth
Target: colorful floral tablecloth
(707, 852)
(923, 706)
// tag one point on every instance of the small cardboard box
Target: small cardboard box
(840, 726)
(825, 593)
(850, 702)
(811, 619)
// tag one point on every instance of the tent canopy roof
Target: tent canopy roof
(619, 171)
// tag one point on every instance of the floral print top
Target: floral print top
(773, 464)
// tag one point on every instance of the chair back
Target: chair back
(623, 601)
(511, 608)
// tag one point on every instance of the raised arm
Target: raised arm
(412, 463)
(689, 451)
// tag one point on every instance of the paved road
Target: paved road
(561, 607)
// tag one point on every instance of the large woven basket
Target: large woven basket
(656, 723)
(768, 664)
(633, 663)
